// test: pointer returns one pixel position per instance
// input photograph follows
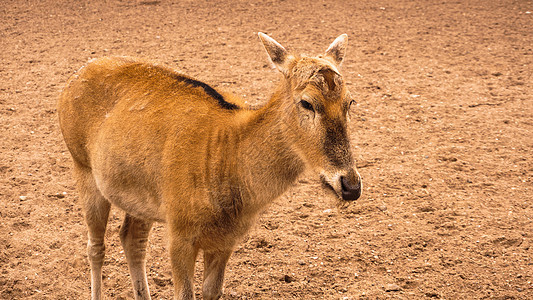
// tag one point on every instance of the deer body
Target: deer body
(165, 147)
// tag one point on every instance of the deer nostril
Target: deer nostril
(351, 188)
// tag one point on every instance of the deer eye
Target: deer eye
(307, 105)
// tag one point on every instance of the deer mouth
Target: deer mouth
(327, 186)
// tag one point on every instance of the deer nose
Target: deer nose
(351, 187)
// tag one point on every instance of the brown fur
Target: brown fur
(164, 148)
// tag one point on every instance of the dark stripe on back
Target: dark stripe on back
(209, 90)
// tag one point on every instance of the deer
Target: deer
(165, 147)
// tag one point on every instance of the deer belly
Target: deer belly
(135, 198)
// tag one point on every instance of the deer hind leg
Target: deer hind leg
(214, 267)
(96, 209)
(134, 237)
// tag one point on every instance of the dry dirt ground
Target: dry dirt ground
(443, 135)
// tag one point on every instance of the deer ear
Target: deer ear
(279, 56)
(337, 49)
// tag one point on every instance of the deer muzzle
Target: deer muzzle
(350, 187)
(346, 185)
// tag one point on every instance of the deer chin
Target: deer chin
(329, 187)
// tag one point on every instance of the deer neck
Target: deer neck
(268, 162)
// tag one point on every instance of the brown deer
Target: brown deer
(165, 147)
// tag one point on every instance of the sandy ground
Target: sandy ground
(443, 138)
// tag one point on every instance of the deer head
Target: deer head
(319, 106)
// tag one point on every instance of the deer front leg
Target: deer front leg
(214, 267)
(182, 259)
(134, 237)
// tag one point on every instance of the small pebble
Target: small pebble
(23, 198)
(392, 287)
